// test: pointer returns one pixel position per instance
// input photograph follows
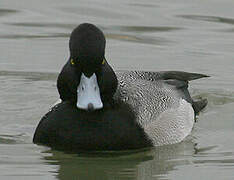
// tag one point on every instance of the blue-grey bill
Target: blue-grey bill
(88, 93)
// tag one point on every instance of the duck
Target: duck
(106, 110)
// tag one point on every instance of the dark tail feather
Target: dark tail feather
(183, 76)
(199, 105)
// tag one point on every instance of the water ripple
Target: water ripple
(134, 33)
(143, 5)
(48, 24)
(11, 139)
(123, 33)
(144, 28)
(215, 161)
(34, 76)
(7, 141)
(138, 38)
(208, 18)
(217, 97)
(95, 12)
(4, 12)
(24, 36)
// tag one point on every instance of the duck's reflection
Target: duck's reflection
(149, 164)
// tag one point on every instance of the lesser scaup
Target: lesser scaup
(106, 110)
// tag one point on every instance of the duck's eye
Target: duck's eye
(72, 62)
(82, 88)
(103, 61)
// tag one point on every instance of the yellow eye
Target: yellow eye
(103, 61)
(72, 62)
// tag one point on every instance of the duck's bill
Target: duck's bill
(88, 93)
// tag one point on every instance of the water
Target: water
(187, 35)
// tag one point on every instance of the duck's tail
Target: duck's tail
(182, 76)
(180, 80)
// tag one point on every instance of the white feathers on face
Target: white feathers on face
(88, 93)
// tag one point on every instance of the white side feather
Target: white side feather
(171, 126)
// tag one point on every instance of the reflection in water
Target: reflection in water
(147, 165)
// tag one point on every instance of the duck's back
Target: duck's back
(162, 105)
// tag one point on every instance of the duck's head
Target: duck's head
(87, 56)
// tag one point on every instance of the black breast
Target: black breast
(67, 128)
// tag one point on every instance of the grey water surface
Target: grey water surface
(153, 35)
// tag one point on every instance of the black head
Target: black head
(87, 48)
(87, 78)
